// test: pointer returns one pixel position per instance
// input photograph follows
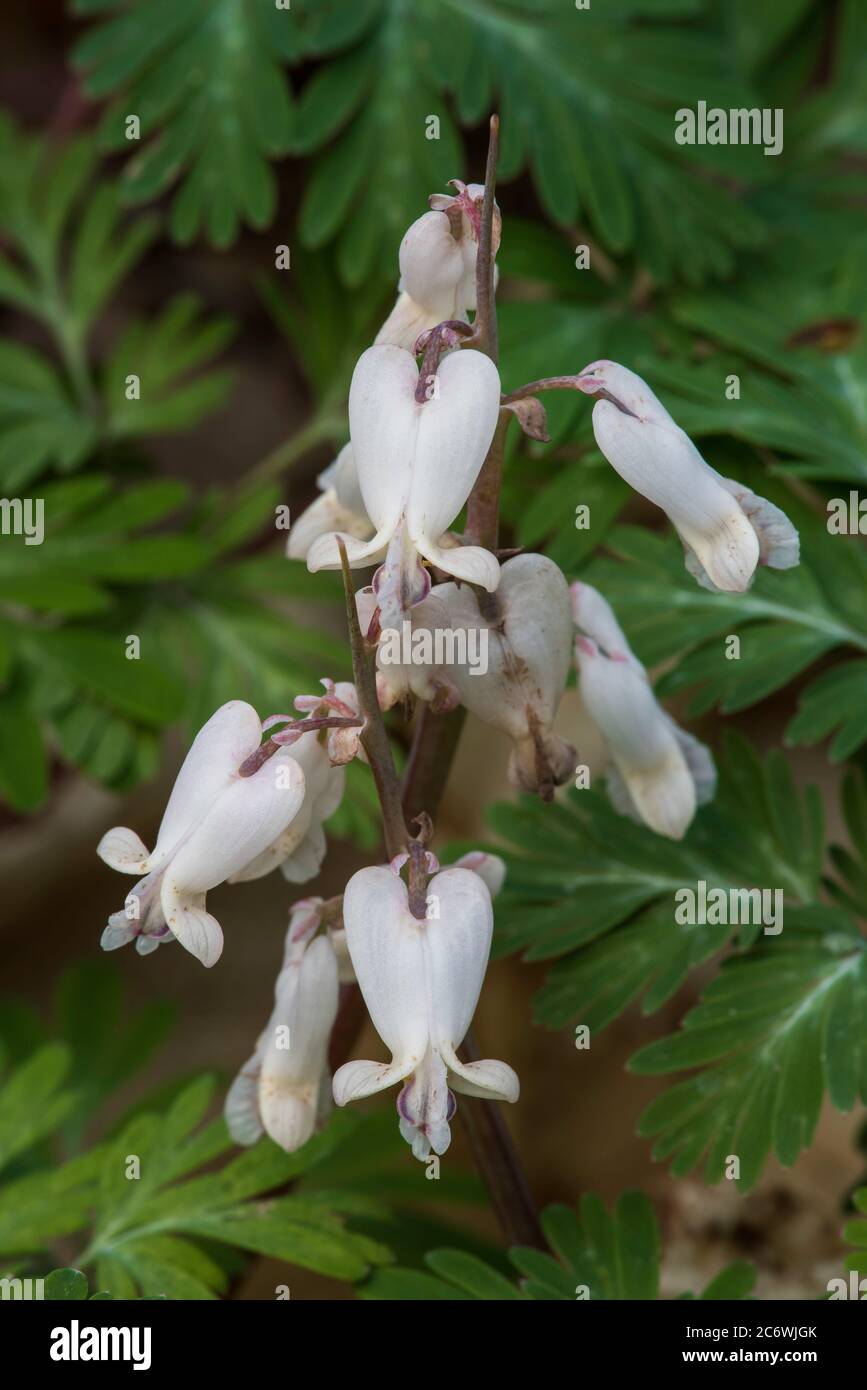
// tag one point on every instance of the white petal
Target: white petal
(324, 517)
(198, 932)
(456, 429)
(383, 423)
(356, 1080)
(408, 320)
(779, 543)
(640, 740)
(488, 1079)
(431, 265)
(123, 850)
(243, 821)
(116, 935)
(290, 1075)
(342, 477)
(305, 861)
(386, 948)
(241, 1108)
(661, 462)
(219, 748)
(593, 614)
(457, 942)
(490, 868)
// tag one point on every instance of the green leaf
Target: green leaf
(774, 1030)
(63, 1284)
(32, 1103)
(213, 104)
(597, 892)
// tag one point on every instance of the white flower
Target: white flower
(725, 528)
(421, 981)
(438, 266)
(300, 849)
(406, 662)
(216, 821)
(284, 1088)
(529, 644)
(339, 508)
(657, 772)
(417, 463)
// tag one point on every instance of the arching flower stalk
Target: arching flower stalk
(421, 977)
(657, 772)
(284, 1089)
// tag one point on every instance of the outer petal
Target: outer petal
(241, 1108)
(198, 932)
(457, 942)
(386, 946)
(663, 464)
(593, 614)
(324, 517)
(383, 422)
(123, 850)
(488, 1079)
(456, 428)
(240, 824)
(356, 1080)
(289, 1078)
(408, 320)
(641, 742)
(219, 748)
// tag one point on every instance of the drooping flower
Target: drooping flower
(528, 627)
(406, 657)
(421, 981)
(726, 529)
(438, 266)
(284, 1089)
(339, 508)
(657, 773)
(300, 849)
(217, 820)
(417, 462)
(489, 867)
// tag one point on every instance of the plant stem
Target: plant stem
(374, 738)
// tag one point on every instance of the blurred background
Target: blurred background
(157, 257)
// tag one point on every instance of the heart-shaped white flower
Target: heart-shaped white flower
(421, 981)
(417, 463)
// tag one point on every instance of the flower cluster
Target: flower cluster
(493, 633)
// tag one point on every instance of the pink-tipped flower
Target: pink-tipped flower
(338, 508)
(725, 528)
(284, 1089)
(421, 981)
(657, 773)
(438, 266)
(417, 463)
(528, 625)
(217, 821)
